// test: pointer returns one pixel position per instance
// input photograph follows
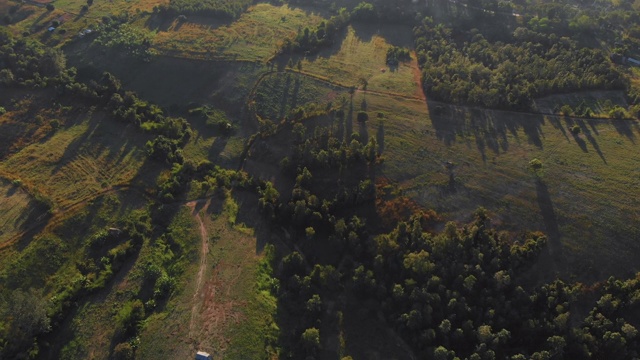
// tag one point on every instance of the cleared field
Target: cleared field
(256, 35)
(279, 93)
(585, 198)
(88, 155)
(362, 56)
(18, 211)
(174, 83)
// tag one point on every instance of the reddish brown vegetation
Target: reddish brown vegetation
(393, 208)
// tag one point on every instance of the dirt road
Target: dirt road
(204, 249)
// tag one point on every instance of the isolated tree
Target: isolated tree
(362, 116)
(536, 166)
(89, 2)
(50, 7)
(364, 82)
(310, 341)
(575, 130)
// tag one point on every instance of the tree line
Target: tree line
(465, 67)
(216, 8)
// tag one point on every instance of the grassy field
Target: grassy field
(362, 55)
(88, 155)
(256, 35)
(18, 211)
(279, 93)
(227, 315)
(173, 83)
(456, 159)
(91, 327)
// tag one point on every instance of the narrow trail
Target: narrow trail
(204, 250)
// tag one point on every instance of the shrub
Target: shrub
(617, 112)
(129, 316)
(566, 110)
(2, 110)
(123, 351)
(575, 130)
(50, 7)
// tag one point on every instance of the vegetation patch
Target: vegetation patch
(230, 313)
(463, 158)
(19, 211)
(279, 94)
(360, 60)
(77, 162)
(256, 35)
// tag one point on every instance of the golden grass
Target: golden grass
(78, 162)
(15, 210)
(362, 55)
(256, 35)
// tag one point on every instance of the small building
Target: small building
(201, 355)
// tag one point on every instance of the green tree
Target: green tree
(310, 341)
(23, 316)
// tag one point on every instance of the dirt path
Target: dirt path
(204, 249)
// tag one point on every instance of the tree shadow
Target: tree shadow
(295, 93)
(217, 147)
(250, 216)
(363, 132)
(11, 190)
(576, 137)
(380, 138)
(550, 221)
(80, 15)
(555, 122)
(488, 128)
(587, 133)
(395, 34)
(285, 97)
(349, 120)
(624, 127)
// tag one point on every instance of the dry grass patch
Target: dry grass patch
(17, 210)
(256, 35)
(79, 161)
(362, 55)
